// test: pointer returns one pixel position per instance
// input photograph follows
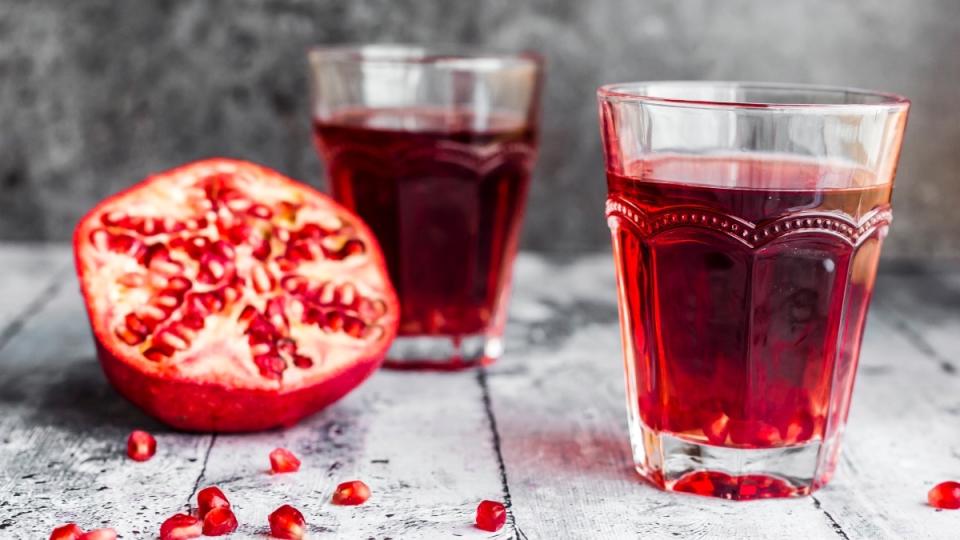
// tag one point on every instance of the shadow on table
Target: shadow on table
(74, 396)
(576, 453)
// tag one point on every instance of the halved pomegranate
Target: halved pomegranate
(224, 296)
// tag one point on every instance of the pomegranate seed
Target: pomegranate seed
(197, 246)
(351, 493)
(150, 226)
(172, 340)
(181, 527)
(260, 211)
(210, 498)
(491, 516)
(166, 267)
(99, 534)
(294, 283)
(945, 495)
(114, 218)
(69, 531)
(347, 249)
(287, 522)
(327, 293)
(179, 284)
(218, 522)
(353, 327)
(193, 322)
(348, 294)
(151, 313)
(283, 461)
(334, 321)
(158, 354)
(128, 336)
(141, 445)
(239, 205)
(224, 250)
(271, 366)
(135, 324)
(262, 251)
(302, 362)
(717, 427)
(261, 279)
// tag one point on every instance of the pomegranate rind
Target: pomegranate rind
(223, 403)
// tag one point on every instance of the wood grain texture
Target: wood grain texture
(424, 443)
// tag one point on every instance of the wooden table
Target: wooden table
(544, 429)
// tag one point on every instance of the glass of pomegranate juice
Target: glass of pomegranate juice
(746, 222)
(434, 150)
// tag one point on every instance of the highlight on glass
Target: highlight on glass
(746, 221)
(434, 150)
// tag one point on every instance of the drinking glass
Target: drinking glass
(434, 150)
(746, 221)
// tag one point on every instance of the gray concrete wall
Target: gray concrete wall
(94, 94)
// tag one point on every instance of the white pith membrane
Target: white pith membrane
(221, 352)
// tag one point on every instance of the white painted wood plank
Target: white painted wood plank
(420, 440)
(568, 460)
(924, 306)
(903, 437)
(25, 272)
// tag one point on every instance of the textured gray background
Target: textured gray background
(94, 94)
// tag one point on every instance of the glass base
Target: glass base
(675, 464)
(443, 352)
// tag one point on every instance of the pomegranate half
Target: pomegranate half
(224, 296)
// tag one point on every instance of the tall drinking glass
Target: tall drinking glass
(746, 222)
(434, 150)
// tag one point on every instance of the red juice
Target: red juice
(444, 192)
(742, 307)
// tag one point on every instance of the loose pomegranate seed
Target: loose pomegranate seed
(491, 516)
(351, 493)
(287, 522)
(69, 531)
(99, 534)
(180, 527)
(283, 461)
(141, 445)
(945, 495)
(219, 521)
(210, 498)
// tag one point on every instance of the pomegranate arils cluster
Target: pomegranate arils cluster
(351, 493)
(945, 495)
(283, 461)
(491, 516)
(214, 509)
(194, 270)
(141, 445)
(181, 527)
(210, 498)
(287, 522)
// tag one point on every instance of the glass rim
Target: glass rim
(451, 57)
(633, 92)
